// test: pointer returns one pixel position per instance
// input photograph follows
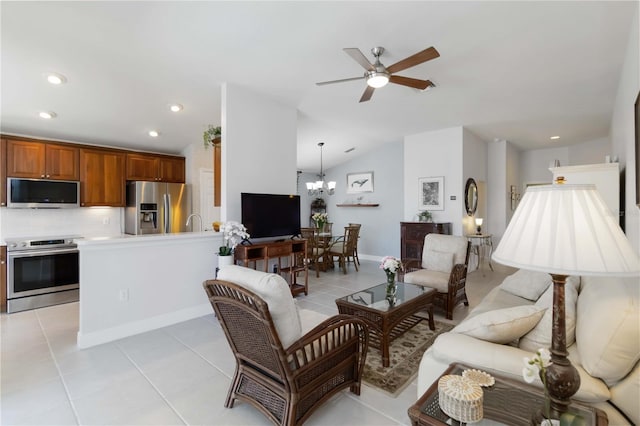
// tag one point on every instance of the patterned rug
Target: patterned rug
(405, 353)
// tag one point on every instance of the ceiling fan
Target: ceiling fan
(377, 75)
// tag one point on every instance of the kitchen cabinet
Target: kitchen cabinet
(3, 278)
(42, 160)
(3, 172)
(159, 168)
(102, 177)
(412, 236)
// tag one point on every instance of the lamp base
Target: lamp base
(563, 380)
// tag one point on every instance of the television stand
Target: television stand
(294, 250)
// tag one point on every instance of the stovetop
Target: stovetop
(35, 243)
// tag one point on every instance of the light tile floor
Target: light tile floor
(172, 376)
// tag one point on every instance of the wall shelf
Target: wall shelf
(357, 205)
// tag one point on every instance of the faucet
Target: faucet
(194, 215)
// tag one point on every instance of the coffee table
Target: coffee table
(389, 319)
(508, 402)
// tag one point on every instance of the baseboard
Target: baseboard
(87, 340)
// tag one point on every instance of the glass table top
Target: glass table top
(376, 296)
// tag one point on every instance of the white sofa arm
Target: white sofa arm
(507, 360)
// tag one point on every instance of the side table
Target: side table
(508, 402)
(478, 244)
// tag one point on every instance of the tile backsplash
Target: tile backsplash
(85, 221)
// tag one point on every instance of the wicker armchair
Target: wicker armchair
(443, 266)
(286, 384)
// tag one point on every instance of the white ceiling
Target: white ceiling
(519, 71)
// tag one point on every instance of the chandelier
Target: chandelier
(319, 187)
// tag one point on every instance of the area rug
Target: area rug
(405, 353)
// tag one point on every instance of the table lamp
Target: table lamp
(565, 230)
(478, 226)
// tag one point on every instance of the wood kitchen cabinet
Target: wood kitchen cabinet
(102, 178)
(155, 168)
(3, 278)
(42, 160)
(412, 236)
(3, 172)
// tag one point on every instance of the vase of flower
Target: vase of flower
(391, 266)
(224, 260)
(320, 219)
(233, 233)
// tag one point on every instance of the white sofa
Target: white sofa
(514, 319)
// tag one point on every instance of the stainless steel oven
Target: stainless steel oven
(41, 272)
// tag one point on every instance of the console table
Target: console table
(294, 250)
(412, 236)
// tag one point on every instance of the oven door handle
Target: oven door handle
(33, 253)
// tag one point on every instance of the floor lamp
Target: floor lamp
(565, 230)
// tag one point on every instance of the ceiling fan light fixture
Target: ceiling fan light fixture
(377, 79)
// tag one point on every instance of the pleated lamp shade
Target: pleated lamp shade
(569, 230)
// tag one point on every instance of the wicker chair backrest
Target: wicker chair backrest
(248, 326)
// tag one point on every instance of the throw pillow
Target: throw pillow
(438, 261)
(608, 328)
(527, 284)
(540, 335)
(502, 325)
(274, 290)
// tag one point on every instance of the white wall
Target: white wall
(590, 152)
(622, 129)
(258, 147)
(496, 180)
(431, 154)
(474, 165)
(534, 165)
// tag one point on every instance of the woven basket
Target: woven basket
(460, 399)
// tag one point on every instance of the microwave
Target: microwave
(42, 194)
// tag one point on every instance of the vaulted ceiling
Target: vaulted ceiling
(519, 71)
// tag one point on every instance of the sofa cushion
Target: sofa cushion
(626, 394)
(433, 279)
(274, 290)
(445, 244)
(608, 326)
(438, 261)
(527, 284)
(503, 325)
(498, 299)
(540, 335)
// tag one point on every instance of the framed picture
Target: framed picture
(431, 193)
(359, 182)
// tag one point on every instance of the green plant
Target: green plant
(425, 215)
(210, 134)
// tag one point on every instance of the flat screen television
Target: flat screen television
(270, 215)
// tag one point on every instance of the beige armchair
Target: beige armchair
(284, 374)
(443, 266)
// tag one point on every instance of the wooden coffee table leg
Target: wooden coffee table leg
(384, 348)
(432, 325)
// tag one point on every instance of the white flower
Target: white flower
(535, 367)
(530, 372)
(390, 264)
(319, 217)
(545, 357)
(234, 233)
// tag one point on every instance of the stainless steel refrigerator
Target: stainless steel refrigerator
(157, 208)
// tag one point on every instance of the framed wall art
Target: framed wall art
(431, 193)
(359, 182)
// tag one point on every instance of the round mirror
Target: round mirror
(471, 196)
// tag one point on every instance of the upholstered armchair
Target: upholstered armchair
(443, 266)
(283, 373)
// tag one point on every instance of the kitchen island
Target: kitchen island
(135, 283)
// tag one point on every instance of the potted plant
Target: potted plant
(233, 233)
(210, 134)
(425, 216)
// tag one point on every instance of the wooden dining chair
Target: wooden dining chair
(344, 248)
(355, 252)
(315, 249)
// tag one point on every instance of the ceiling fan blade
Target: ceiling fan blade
(368, 92)
(322, 83)
(413, 60)
(359, 57)
(410, 82)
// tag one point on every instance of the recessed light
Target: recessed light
(47, 115)
(55, 78)
(153, 133)
(175, 107)
(553, 138)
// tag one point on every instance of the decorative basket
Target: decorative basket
(460, 399)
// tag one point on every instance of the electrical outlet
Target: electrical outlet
(124, 295)
(106, 220)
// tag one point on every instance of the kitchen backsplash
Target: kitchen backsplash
(86, 222)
